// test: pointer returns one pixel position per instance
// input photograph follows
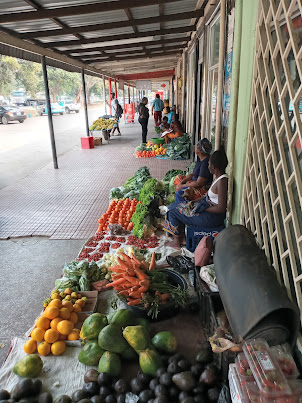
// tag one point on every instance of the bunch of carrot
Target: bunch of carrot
(129, 277)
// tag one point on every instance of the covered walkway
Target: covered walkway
(66, 203)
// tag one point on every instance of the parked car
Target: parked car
(70, 106)
(10, 114)
(55, 108)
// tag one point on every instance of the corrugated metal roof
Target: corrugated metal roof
(58, 38)
(63, 3)
(180, 6)
(97, 18)
(123, 50)
(143, 12)
(169, 36)
(96, 53)
(29, 26)
(109, 32)
(149, 27)
(176, 24)
(7, 6)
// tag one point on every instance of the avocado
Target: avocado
(29, 400)
(79, 395)
(160, 371)
(183, 395)
(213, 394)
(161, 390)
(184, 380)
(161, 399)
(91, 376)
(104, 391)
(110, 399)
(121, 398)
(85, 401)
(92, 388)
(165, 379)
(173, 392)
(153, 383)
(4, 394)
(97, 399)
(37, 386)
(209, 376)
(184, 365)
(121, 386)
(188, 399)
(45, 397)
(204, 355)
(63, 399)
(144, 377)
(137, 385)
(200, 398)
(23, 389)
(176, 357)
(145, 395)
(104, 379)
(173, 368)
(200, 388)
(197, 369)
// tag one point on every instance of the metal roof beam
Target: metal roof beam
(120, 37)
(78, 10)
(111, 25)
(151, 55)
(126, 46)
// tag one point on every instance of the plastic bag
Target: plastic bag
(220, 344)
(75, 268)
(62, 283)
(207, 274)
(84, 284)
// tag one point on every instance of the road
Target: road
(24, 148)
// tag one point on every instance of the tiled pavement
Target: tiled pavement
(66, 203)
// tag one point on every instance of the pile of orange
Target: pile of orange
(161, 151)
(54, 326)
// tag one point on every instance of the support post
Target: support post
(220, 73)
(110, 99)
(85, 103)
(49, 114)
(124, 102)
(133, 94)
(115, 88)
(129, 94)
(104, 92)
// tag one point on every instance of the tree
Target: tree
(9, 67)
(30, 77)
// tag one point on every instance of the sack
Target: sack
(207, 274)
(119, 111)
(203, 252)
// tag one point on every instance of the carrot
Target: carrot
(126, 258)
(145, 283)
(131, 272)
(114, 283)
(141, 275)
(134, 302)
(123, 264)
(152, 263)
(124, 292)
(145, 265)
(133, 289)
(164, 297)
(116, 270)
(142, 290)
(135, 259)
(135, 294)
(131, 280)
(116, 267)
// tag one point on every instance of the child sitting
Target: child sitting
(164, 125)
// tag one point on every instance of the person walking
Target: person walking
(157, 108)
(143, 118)
(116, 111)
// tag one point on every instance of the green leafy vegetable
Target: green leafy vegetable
(138, 180)
(172, 173)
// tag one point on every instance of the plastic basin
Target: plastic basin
(158, 140)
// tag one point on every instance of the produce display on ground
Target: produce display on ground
(102, 124)
(119, 355)
(177, 149)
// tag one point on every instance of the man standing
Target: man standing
(157, 108)
(116, 112)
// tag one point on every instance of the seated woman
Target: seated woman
(164, 125)
(196, 184)
(208, 212)
(176, 129)
(170, 113)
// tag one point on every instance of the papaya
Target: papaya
(29, 367)
(121, 318)
(165, 341)
(137, 337)
(144, 323)
(111, 339)
(91, 353)
(149, 361)
(110, 363)
(92, 326)
(129, 354)
(110, 316)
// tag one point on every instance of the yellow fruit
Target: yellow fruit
(79, 296)
(77, 308)
(64, 313)
(55, 296)
(74, 334)
(30, 346)
(85, 299)
(62, 294)
(56, 302)
(51, 336)
(43, 322)
(62, 337)
(65, 327)
(38, 334)
(68, 305)
(54, 323)
(67, 298)
(51, 312)
(80, 302)
(44, 348)
(74, 318)
(68, 291)
(74, 295)
(58, 348)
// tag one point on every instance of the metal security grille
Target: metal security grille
(272, 194)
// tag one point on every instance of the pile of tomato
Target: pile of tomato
(119, 212)
(143, 243)
(145, 154)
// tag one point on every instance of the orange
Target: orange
(64, 313)
(43, 322)
(56, 302)
(38, 334)
(30, 346)
(80, 302)
(74, 334)
(62, 337)
(51, 336)
(44, 348)
(54, 323)
(51, 312)
(68, 305)
(58, 348)
(74, 318)
(77, 308)
(65, 327)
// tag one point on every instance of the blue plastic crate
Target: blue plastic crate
(195, 234)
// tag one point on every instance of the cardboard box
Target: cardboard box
(98, 141)
(92, 301)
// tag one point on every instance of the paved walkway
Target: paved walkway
(66, 203)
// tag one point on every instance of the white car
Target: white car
(71, 106)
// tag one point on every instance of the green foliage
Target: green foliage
(8, 67)
(138, 180)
